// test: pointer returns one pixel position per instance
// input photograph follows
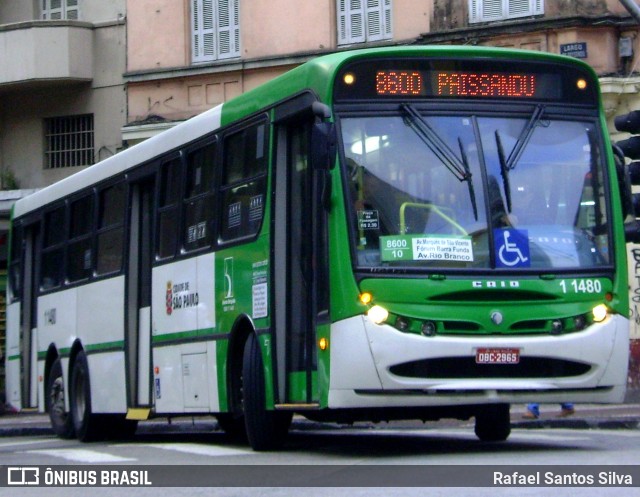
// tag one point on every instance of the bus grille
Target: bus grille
(466, 367)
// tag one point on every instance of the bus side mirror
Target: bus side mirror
(323, 145)
(323, 157)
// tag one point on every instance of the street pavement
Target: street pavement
(587, 416)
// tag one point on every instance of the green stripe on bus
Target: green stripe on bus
(105, 347)
(183, 335)
(95, 348)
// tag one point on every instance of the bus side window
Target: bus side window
(111, 210)
(169, 209)
(198, 206)
(79, 256)
(53, 249)
(243, 183)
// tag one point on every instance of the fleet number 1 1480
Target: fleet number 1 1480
(581, 286)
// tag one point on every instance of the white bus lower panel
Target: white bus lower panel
(108, 384)
(378, 366)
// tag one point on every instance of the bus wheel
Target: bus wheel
(85, 422)
(266, 430)
(61, 421)
(118, 427)
(493, 423)
(233, 426)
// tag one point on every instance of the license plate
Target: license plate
(497, 356)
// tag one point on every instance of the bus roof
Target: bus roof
(127, 159)
(314, 75)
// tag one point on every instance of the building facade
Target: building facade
(187, 56)
(82, 79)
(601, 32)
(62, 97)
(62, 94)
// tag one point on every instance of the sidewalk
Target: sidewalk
(587, 416)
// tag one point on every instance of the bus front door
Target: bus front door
(138, 315)
(300, 277)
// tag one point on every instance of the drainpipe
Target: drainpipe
(632, 8)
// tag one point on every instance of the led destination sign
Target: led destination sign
(457, 84)
(465, 79)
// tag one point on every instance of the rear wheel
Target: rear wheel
(61, 421)
(266, 430)
(86, 424)
(493, 423)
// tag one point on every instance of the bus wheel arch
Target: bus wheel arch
(55, 395)
(232, 421)
(86, 424)
(242, 329)
(266, 429)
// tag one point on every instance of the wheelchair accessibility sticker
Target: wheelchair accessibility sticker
(512, 248)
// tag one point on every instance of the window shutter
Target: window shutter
(474, 15)
(379, 25)
(538, 7)
(343, 32)
(351, 21)
(203, 32)
(228, 28)
(374, 20)
(492, 10)
(387, 21)
(519, 8)
(496, 10)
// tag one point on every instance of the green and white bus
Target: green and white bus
(395, 233)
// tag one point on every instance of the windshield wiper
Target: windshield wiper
(504, 171)
(509, 163)
(458, 167)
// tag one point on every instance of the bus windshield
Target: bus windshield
(464, 191)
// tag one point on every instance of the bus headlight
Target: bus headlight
(378, 314)
(599, 313)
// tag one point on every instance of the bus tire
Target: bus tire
(266, 430)
(493, 423)
(61, 421)
(233, 426)
(85, 423)
(118, 427)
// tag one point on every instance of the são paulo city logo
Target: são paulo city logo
(180, 296)
(169, 299)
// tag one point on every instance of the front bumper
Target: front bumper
(363, 355)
